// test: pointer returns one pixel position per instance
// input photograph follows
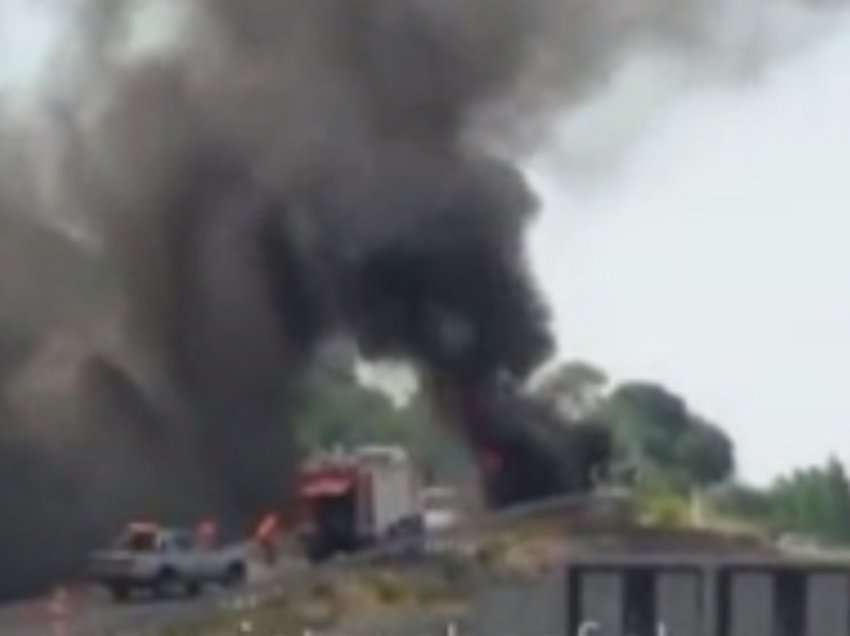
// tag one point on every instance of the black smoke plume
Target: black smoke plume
(278, 172)
(299, 169)
(289, 171)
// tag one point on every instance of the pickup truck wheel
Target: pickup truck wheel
(234, 576)
(193, 588)
(166, 583)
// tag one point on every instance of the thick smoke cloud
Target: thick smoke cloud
(298, 169)
(288, 173)
(280, 172)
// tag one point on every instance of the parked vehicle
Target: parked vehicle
(166, 561)
(441, 508)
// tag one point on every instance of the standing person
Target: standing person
(267, 536)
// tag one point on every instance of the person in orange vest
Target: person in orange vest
(266, 537)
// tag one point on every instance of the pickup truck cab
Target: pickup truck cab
(165, 561)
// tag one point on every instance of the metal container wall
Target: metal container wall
(751, 608)
(517, 609)
(679, 599)
(828, 605)
(601, 609)
(672, 598)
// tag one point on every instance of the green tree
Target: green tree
(672, 447)
(814, 501)
(705, 453)
(647, 421)
(839, 496)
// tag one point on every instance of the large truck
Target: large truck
(366, 498)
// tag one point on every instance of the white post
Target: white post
(697, 517)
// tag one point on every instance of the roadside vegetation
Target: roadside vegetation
(680, 467)
(359, 599)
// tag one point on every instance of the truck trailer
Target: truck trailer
(350, 501)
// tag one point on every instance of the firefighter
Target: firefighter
(267, 536)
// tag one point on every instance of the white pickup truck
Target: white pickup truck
(165, 561)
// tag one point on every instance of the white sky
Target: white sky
(708, 249)
(28, 29)
(715, 258)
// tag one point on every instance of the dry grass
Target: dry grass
(347, 598)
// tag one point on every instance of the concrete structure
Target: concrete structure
(674, 596)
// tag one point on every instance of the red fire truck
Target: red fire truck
(349, 501)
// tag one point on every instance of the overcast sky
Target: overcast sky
(715, 256)
(702, 242)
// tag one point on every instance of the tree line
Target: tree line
(657, 437)
(662, 447)
(812, 501)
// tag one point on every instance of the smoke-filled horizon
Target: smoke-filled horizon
(279, 173)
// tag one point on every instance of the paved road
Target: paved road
(90, 615)
(89, 611)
